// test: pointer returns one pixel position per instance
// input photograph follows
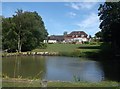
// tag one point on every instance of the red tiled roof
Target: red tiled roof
(77, 33)
(56, 37)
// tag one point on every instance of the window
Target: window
(82, 35)
(76, 35)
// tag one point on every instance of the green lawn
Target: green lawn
(64, 48)
(74, 50)
(59, 47)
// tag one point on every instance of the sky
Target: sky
(59, 17)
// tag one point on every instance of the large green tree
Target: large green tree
(0, 33)
(25, 30)
(8, 34)
(109, 13)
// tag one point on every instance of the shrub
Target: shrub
(93, 43)
(86, 42)
(43, 46)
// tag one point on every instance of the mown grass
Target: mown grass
(36, 83)
(64, 47)
(73, 50)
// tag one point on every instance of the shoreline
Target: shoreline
(66, 54)
(60, 50)
(14, 82)
(27, 80)
(30, 54)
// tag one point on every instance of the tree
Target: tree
(98, 34)
(109, 14)
(28, 28)
(8, 34)
(0, 33)
(65, 33)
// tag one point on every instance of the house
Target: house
(73, 37)
(76, 36)
(55, 39)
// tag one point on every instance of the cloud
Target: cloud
(72, 14)
(87, 5)
(81, 5)
(90, 20)
(75, 6)
(90, 24)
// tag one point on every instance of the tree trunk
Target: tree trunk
(19, 44)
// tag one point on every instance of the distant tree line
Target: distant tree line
(109, 13)
(23, 31)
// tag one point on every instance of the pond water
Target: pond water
(53, 68)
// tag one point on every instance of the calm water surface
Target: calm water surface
(52, 68)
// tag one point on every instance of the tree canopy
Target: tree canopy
(109, 14)
(23, 32)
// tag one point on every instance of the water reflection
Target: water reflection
(63, 68)
(53, 68)
(111, 69)
(27, 67)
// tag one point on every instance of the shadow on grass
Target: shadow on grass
(89, 47)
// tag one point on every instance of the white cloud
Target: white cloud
(75, 6)
(90, 20)
(90, 24)
(72, 14)
(82, 5)
(87, 5)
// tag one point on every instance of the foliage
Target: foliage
(43, 46)
(93, 43)
(65, 33)
(24, 31)
(98, 34)
(9, 35)
(76, 79)
(109, 14)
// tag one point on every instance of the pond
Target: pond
(52, 68)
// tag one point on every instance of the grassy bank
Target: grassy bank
(100, 51)
(64, 48)
(73, 50)
(103, 51)
(36, 83)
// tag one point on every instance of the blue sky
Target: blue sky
(60, 16)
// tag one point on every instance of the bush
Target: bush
(86, 42)
(43, 45)
(93, 43)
